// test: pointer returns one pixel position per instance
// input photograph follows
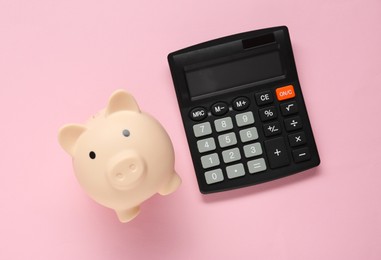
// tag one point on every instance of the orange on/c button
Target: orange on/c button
(285, 92)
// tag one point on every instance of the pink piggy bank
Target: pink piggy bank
(121, 156)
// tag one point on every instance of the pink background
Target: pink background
(60, 61)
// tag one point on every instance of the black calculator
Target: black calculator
(243, 110)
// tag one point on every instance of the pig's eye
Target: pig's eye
(126, 133)
(92, 155)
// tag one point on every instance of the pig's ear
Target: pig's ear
(120, 100)
(68, 136)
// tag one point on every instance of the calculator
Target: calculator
(243, 110)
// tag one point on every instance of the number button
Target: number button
(210, 160)
(206, 145)
(223, 124)
(231, 155)
(248, 134)
(214, 176)
(244, 119)
(227, 140)
(252, 150)
(202, 129)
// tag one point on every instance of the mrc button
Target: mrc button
(198, 113)
(285, 92)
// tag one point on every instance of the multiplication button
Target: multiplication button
(297, 139)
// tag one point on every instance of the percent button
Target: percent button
(267, 113)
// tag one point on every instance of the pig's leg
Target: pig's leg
(128, 214)
(171, 186)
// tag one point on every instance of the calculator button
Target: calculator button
(263, 98)
(231, 155)
(223, 124)
(206, 145)
(198, 113)
(227, 140)
(244, 119)
(235, 171)
(257, 165)
(241, 103)
(267, 113)
(214, 176)
(297, 139)
(202, 129)
(248, 134)
(293, 123)
(210, 160)
(271, 129)
(301, 155)
(285, 92)
(252, 150)
(276, 152)
(220, 108)
(289, 108)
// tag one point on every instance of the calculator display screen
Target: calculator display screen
(239, 72)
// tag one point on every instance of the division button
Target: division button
(301, 155)
(297, 139)
(214, 176)
(276, 152)
(220, 108)
(198, 113)
(264, 97)
(293, 123)
(241, 103)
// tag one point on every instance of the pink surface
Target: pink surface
(60, 61)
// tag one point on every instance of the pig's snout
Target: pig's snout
(126, 170)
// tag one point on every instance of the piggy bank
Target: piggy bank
(121, 156)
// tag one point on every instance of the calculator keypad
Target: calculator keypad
(250, 135)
